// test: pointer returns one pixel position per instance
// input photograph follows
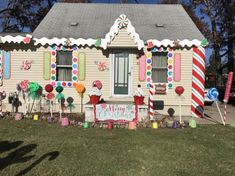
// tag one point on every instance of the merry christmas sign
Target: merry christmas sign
(115, 112)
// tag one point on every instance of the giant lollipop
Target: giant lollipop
(80, 88)
(34, 89)
(50, 96)
(213, 94)
(179, 90)
(60, 96)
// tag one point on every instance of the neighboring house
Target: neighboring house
(122, 45)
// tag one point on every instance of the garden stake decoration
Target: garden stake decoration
(59, 97)
(70, 103)
(213, 94)
(179, 90)
(80, 88)
(2, 97)
(50, 96)
(35, 91)
(23, 87)
(227, 94)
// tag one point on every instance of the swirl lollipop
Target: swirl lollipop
(213, 94)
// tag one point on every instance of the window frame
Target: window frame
(160, 68)
(74, 66)
(148, 54)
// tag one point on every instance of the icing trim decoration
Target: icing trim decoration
(1, 68)
(176, 43)
(177, 67)
(198, 81)
(74, 78)
(26, 65)
(15, 39)
(142, 68)
(62, 41)
(81, 66)
(115, 29)
(46, 65)
(169, 66)
(7, 65)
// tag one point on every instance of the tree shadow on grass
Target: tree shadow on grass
(17, 156)
(51, 155)
(6, 145)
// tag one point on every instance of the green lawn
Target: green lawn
(36, 148)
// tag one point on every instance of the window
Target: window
(64, 66)
(159, 67)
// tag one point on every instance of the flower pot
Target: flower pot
(138, 100)
(94, 99)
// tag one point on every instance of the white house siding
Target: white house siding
(122, 40)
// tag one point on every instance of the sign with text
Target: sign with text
(115, 112)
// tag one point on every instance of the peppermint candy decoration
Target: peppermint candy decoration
(122, 21)
(102, 66)
(213, 94)
(26, 65)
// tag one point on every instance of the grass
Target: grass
(37, 148)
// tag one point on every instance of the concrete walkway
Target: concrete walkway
(211, 115)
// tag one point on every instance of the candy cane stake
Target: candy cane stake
(227, 93)
(151, 91)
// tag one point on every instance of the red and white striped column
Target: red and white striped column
(198, 81)
(151, 92)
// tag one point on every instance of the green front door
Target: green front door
(121, 73)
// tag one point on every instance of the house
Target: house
(122, 45)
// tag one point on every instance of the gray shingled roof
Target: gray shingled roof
(95, 21)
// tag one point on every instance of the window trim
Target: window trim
(170, 60)
(74, 66)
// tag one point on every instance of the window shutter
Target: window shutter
(177, 67)
(142, 68)
(7, 65)
(46, 65)
(81, 66)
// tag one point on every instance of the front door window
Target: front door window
(121, 73)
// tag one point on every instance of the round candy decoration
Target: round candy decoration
(179, 90)
(49, 88)
(213, 94)
(50, 96)
(98, 84)
(59, 89)
(70, 100)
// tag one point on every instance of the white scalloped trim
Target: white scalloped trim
(57, 41)
(183, 43)
(114, 31)
(9, 39)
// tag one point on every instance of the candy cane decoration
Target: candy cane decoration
(151, 92)
(198, 81)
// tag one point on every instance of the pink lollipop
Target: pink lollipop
(50, 96)
(97, 83)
